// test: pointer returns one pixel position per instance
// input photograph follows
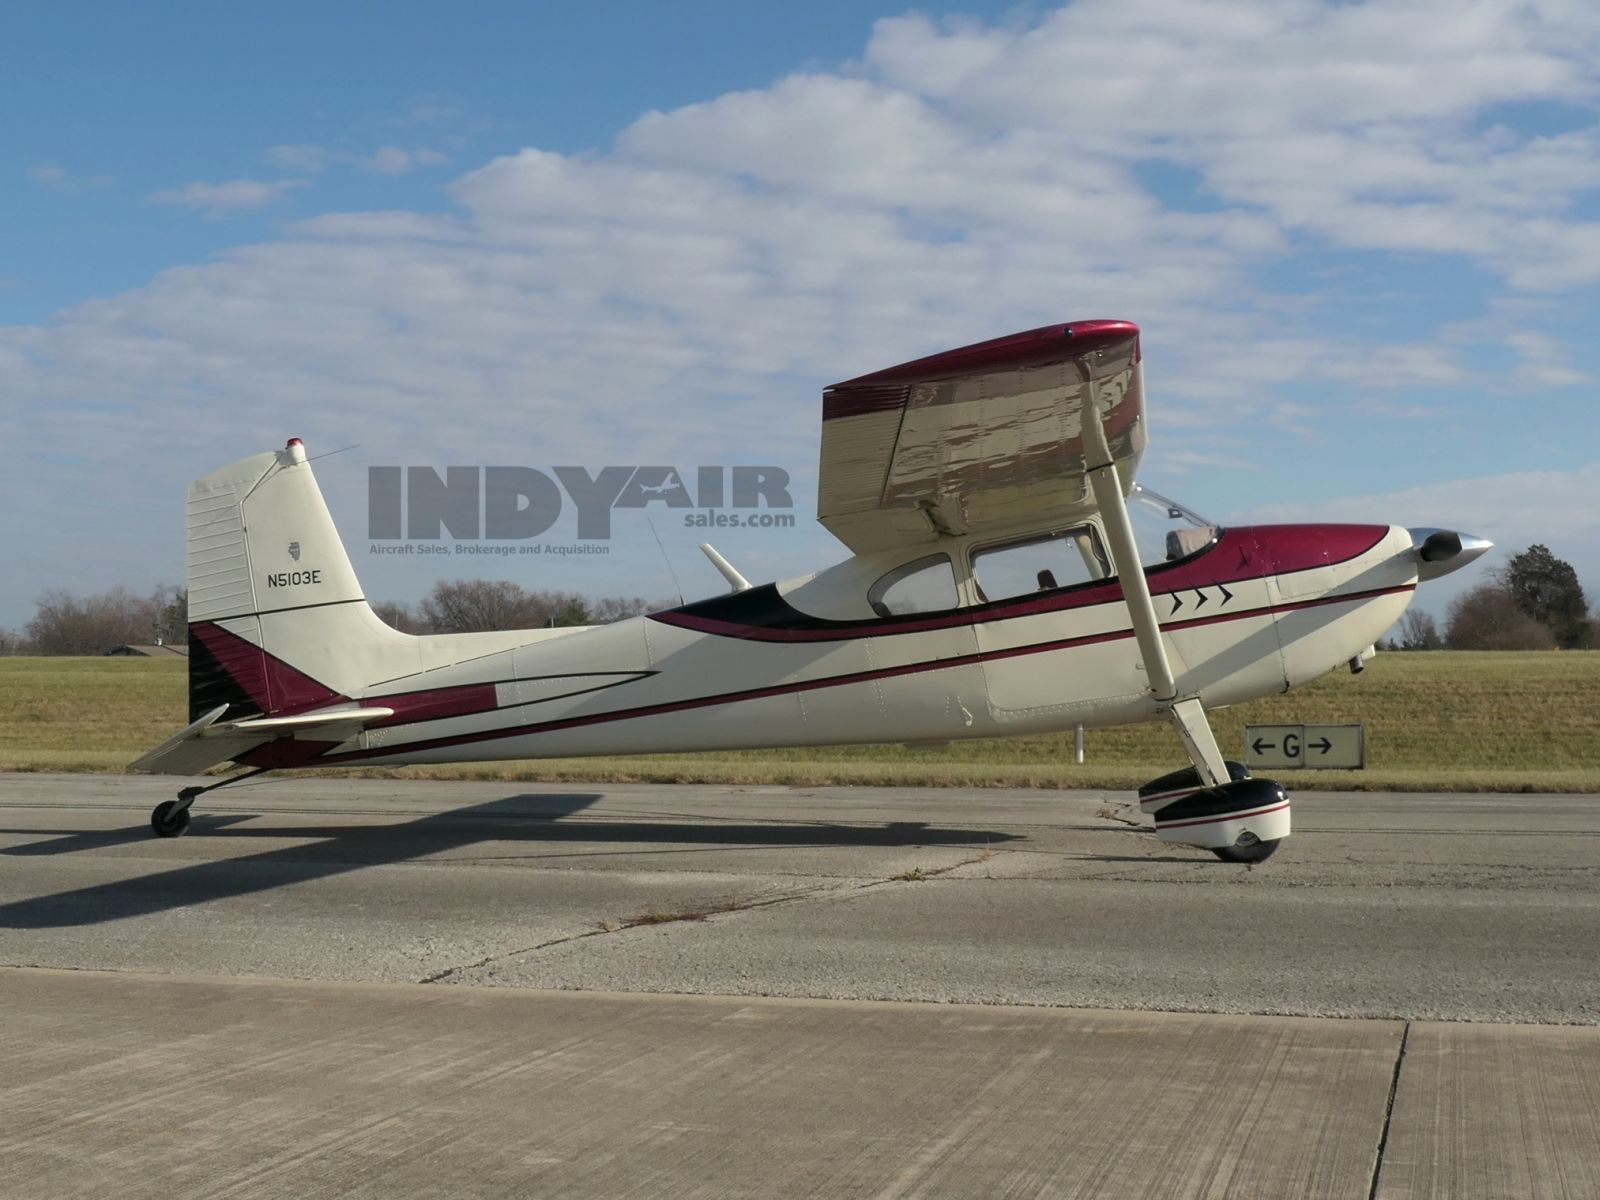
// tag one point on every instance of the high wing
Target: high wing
(981, 437)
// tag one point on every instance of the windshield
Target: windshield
(1164, 529)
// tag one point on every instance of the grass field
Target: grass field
(1435, 721)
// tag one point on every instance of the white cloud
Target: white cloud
(224, 199)
(1544, 359)
(303, 158)
(1515, 510)
(1362, 124)
(689, 289)
(60, 179)
(397, 160)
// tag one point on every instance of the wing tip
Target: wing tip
(1012, 347)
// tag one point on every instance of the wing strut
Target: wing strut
(736, 581)
(1186, 713)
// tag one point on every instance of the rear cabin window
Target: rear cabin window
(1039, 564)
(926, 585)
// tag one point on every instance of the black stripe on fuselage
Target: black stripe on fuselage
(809, 685)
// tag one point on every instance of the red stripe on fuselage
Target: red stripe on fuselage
(1252, 552)
(280, 690)
(810, 685)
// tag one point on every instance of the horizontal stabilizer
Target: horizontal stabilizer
(310, 720)
(210, 740)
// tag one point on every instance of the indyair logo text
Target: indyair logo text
(465, 503)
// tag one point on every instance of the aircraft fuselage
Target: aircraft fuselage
(808, 662)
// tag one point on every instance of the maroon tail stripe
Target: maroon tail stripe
(272, 684)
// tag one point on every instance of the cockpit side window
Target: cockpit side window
(1039, 564)
(925, 585)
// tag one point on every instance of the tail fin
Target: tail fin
(261, 539)
(274, 604)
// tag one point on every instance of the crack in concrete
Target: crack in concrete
(440, 976)
(918, 875)
(603, 928)
(700, 913)
(1388, 1113)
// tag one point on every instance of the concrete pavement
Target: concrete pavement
(288, 1001)
(1430, 907)
(168, 1087)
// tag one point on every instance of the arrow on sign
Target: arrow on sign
(1258, 745)
(1321, 744)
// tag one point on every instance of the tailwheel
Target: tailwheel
(170, 818)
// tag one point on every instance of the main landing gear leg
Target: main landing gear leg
(1207, 805)
(170, 818)
(1199, 741)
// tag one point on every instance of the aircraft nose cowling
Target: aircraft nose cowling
(1440, 551)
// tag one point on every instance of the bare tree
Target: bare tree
(1419, 632)
(1488, 618)
(475, 606)
(171, 614)
(618, 608)
(65, 624)
(398, 616)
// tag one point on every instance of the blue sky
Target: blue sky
(1363, 242)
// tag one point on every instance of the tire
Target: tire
(1259, 852)
(168, 820)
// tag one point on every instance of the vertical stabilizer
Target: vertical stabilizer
(261, 539)
(277, 619)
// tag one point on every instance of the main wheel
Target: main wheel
(1253, 853)
(168, 820)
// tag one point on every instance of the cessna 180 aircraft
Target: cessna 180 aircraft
(997, 585)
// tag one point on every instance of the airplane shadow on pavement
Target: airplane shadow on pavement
(337, 849)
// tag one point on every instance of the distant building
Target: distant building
(148, 651)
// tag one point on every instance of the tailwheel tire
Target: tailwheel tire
(1253, 853)
(168, 820)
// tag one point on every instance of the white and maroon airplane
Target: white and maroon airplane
(997, 585)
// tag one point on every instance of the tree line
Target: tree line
(67, 624)
(1534, 602)
(483, 605)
